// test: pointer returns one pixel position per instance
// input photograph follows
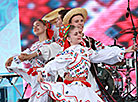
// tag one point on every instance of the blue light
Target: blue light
(31, 5)
(24, 42)
(54, 4)
(73, 4)
(106, 1)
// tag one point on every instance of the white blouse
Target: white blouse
(76, 59)
(48, 50)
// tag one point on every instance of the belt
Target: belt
(81, 79)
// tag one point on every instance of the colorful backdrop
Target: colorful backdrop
(106, 20)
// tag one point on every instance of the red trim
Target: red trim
(45, 83)
(89, 49)
(75, 59)
(33, 94)
(46, 43)
(54, 97)
(78, 62)
(69, 96)
(90, 54)
(42, 94)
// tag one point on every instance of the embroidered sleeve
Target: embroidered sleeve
(17, 60)
(99, 45)
(59, 63)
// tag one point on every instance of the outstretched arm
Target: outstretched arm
(9, 62)
(110, 55)
(24, 56)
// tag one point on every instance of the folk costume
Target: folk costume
(88, 42)
(45, 50)
(75, 60)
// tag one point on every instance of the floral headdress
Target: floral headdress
(63, 32)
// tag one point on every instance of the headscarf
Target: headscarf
(50, 32)
(63, 32)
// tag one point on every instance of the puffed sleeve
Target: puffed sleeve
(45, 52)
(109, 55)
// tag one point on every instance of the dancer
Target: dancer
(77, 17)
(75, 60)
(36, 56)
(53, 18)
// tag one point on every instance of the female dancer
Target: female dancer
(36, 56)
(75, 60)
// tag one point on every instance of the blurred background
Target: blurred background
(106, 22)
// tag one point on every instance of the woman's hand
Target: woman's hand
(24, 56)
(131, 49)
(68, 77)
(39, 77)
(9, 62)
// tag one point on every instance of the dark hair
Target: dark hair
(72, 27)
(41, 21)
(63, 13)
(45, 22)
(74, 16)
